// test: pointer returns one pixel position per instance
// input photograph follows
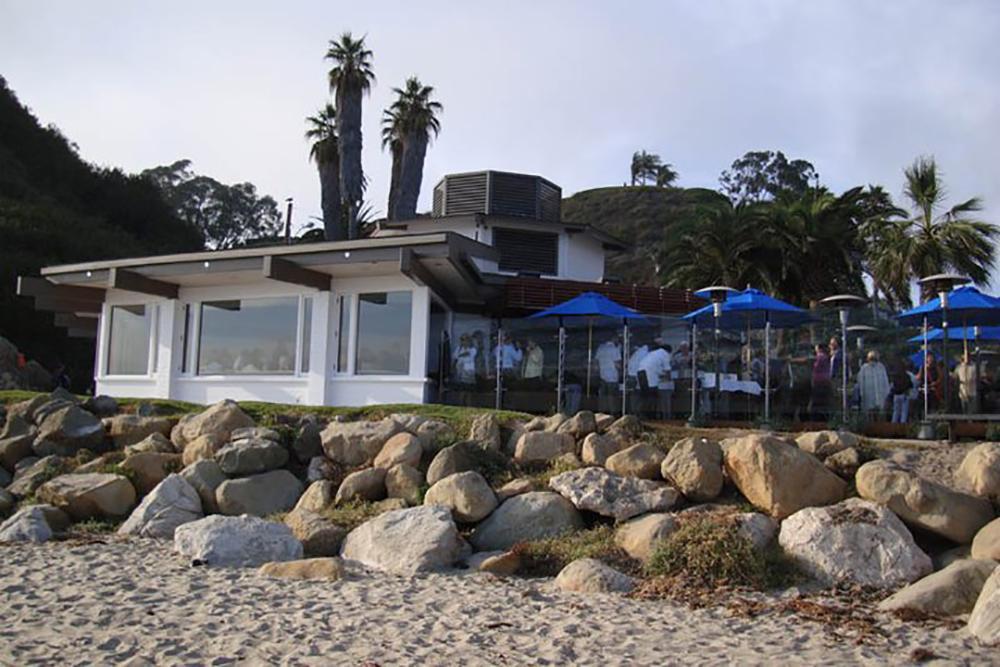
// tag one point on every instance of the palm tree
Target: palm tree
(414, 117)
(393, 140)
(665, 175)
(644, 165)
(350, 79)
(324, 152)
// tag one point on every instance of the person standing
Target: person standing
(465, 368)
(819, 402)
(873, 385)
(509, 353)
(932, 376)
(534, 362)
(656, 367)
(609, 361)
(632, 379)
(902, 385)
(967, 377)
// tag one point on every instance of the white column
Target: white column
(167, 346)
(319, 361)
(419, 331)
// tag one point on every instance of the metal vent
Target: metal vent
(437, 209)
(465, 193)
(498, 193)
(523, 251)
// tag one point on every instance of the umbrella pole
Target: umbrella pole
(624, 370)
(498, 390)
(926, 428)
(590, 348)
(694, 373)
(767, 369)
(944, 360)
(561, 367)
(979, 368)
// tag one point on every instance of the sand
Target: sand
(134, 602)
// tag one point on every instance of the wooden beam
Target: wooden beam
(40, 287)
(410, 266)
(132, 281)
(287, 271)
(58, 305)
(71, 321)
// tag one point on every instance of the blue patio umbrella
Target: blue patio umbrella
(752, 309)
(589, 304)
(959, 333)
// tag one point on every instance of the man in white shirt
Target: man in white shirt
(632, 380)
(510, 355)
(609, 361)
(656, 366)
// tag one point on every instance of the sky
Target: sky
(567, 90)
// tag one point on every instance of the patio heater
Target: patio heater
(717, 294)
(859, 330)
(943, 283)
(843, 303)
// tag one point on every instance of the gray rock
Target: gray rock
(406, 541)
(580, 425)
(642, 461)
(984, 621)
(173, 502)
(402, 448)
(543, 446)
(403, 481)
(307, 443)
(367, 484)
(602, 491)
(259, 495)
(35, 523)
(30, 475)
(7, 500)
(255, 433)
(951, 591)
(15, 441)
(434, 435)
(639, 537)
(101, 405)
(694, 465)
(154, 443)
(125, 430)
(450, 460)
(236, 541)
(91, 495)
(529, 516)
(318, 496)
(589, 575)
(357, 443)
(67, 430)
(467, 494)
(216, 422)
(205, 476)
(251, 456)
(321, 467)
(485, 431)
(319, 536)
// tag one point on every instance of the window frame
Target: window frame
(355, 329)
(107, 317)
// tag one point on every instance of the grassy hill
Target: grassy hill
(647, 217)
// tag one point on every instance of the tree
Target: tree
(324, 152)
(350, 79)
(665, 175)
(763, 175)
(393, 140)
(644, 167)
(227, 215)
(414, 120)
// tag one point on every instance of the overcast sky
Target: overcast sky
(567, 90)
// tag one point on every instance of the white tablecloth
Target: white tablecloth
(730, 382)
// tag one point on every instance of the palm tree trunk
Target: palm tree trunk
(396, 148)
(351, 174)
(329, 186)
(411, 175)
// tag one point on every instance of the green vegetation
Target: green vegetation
(90, 527)
(352, 514)
(545, 558)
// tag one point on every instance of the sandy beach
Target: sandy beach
(135, 602)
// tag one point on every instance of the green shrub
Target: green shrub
(545, 558)
(352, 514)
(95, 527)
(993, 432)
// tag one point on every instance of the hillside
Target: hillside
(57, 208)
(647, 217)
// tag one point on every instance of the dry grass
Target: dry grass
(545, 558)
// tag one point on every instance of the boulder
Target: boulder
(923, 503)
(980, 471)
(642, 461)
(626, 427)
(308, 569)
(467, 494)
(155, 442)
(67, 430)
(780, 478)
(552, 423)
(597, 448)
(318, 496)
(408, 421)
(516, 487)
(321, 467)
(822, 444)
(589, 575)
(254, 433)
(855, 541)
(603, 421)
(205, 476)
(92, 495)
(236, 541)
(52, 404)
(456, 458)
(844, 463)
(757, 529)
(201, 448)
(694, 465)
(405, 482)
(7, 499)
(357, 443)
(319, 536)
(986, 543)
(259, 495)
(171, 503)
(580, 425)
(150, 468)
(251, 456)
(485, 432)
(308, 443)
(367, 484)
(984, 621)
(101, 405)
(638, 537)
(542, 446)
(217, 421)
(125, 430)
(434, 434)
(28, 477)
(401, 448)
(949, 592)
(529, 516)
(35, 523)
(406, 541)
(16, 448)
(602, 491)
(499, 563)
(514, 432)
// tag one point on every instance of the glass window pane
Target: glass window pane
(384, 333)
(248, 336)
(307, 311)
(128, 340)
(344, 334)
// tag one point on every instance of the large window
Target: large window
(128, 340)
(384, 333)
(524, 251)
(248, 336)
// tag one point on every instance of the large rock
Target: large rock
(597, 448)
(201, 448)
(984, 621)
(986, 543)
(855, 541)
(29, 476)
(450, 460)
(15, 441)
(101, 405)
(308, 569)
(639, 537)
(357, 443)
(321, 467)
(780, 478)
(694, 465)
(403, 481)
(308, 443)
(259, 495)
(367, 484)
(88, 496)
(236, 541)
(172, 503)
(467, 494)
(529, 516)
(543, 446)
(416, 539)
(7, 499)
(580, 425)
(485, 432)
(602, 491)
(626, 427)
(218, 421)
(844, 463)
(589, 575)
(35, 523)
(516, 487)
(254, 433)
(642, 461)
(150, 468)
(434, 434)
(826, 443)
(67, 430)
(949, 592)
(401, 448)
(980, 471)
(154, 442)
(319, 496)
(126, 430)
(205, 476)
(923, 503)
(319, 536)
(251, 456)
